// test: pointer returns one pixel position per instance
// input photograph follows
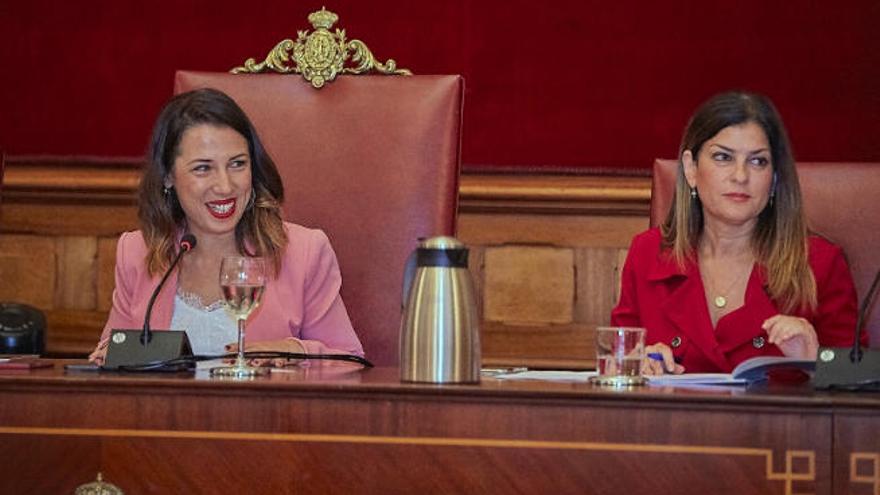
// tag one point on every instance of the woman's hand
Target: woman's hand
(794, 336)
(285, 345)
(667, 365)
(97, 356)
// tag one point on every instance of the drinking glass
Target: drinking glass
(620, 352)
(243, 280)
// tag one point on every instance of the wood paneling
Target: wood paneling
(106, 265)
(76, 272)
(528, 284)
(545, 251)
(597, 270)
(72, 332)
(340, 428)
(513, 223)
(579, 230)
(27, 269)
(857, 452)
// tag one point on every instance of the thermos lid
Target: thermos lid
(442, 252)
(442, 242)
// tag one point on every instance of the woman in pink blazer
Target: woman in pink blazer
(733, 272)
(209, 176)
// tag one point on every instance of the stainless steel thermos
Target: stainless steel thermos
(439, 330)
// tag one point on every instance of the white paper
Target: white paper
(553, 376)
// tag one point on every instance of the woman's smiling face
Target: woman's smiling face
(212, 178)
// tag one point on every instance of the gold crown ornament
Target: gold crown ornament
(321, 55)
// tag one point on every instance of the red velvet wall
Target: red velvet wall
(568, 83)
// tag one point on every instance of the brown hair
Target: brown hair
(161, 216)
(780, 237)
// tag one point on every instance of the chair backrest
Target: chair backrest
(2, 167)
(371, 160)
(840, 201)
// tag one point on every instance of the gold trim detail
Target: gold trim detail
(98, 487)
(873, 476)
(788, 476)
(320, 55)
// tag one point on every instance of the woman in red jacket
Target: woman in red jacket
(733, 273)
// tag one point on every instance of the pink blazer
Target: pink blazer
(303, 302)
(671, 304)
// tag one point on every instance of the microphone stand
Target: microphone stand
(132, 350)
(851, 368)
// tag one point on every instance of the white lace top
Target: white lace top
(209, 327)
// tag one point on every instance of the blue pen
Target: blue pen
(656, 356)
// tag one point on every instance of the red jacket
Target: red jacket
(671, 304)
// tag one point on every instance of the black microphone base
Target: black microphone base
(835, 369)
(125, 351)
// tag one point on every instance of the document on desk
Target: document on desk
(751, 370)
(696, 379)
(553, 376)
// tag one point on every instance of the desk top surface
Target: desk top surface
(384, 383)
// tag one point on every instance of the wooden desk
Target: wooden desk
(343, 430)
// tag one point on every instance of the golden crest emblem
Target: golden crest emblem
(321, 55)
(98, 487)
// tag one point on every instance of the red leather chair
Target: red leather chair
(840, 201)
(373, 161)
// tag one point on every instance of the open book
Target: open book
(749, 371)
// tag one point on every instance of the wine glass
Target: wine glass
(243, 280)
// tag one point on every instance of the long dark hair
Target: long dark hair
(161, 216)
(780, 237)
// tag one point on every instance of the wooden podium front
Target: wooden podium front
(340, 429)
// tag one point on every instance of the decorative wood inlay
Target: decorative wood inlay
(788, 476)
(871, 475)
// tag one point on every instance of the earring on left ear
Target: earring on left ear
(251, 200)
(773, 190)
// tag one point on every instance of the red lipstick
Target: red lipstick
(221, 209)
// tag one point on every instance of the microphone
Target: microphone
(130, 349)
(187, 243)
(851, 368)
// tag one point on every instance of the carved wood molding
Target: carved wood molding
(533, 192)
(82, 180)
(100, 180)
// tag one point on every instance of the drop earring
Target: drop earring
(773, 190)
(251, 200)
(693, 193)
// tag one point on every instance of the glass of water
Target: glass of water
(620, 352)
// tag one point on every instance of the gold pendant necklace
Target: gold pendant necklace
(720, 300)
